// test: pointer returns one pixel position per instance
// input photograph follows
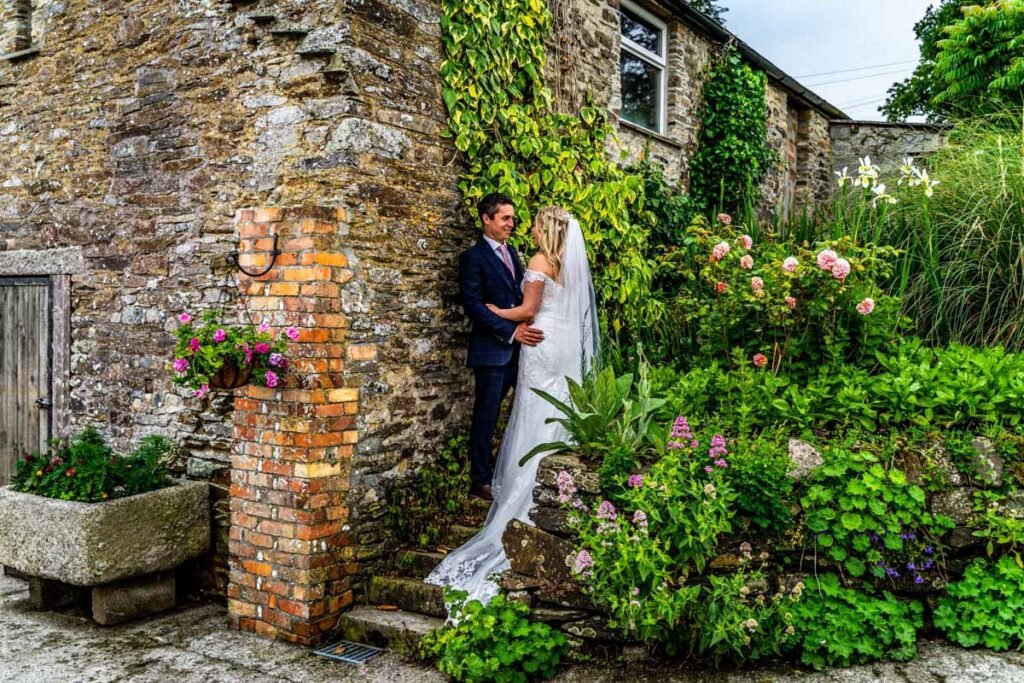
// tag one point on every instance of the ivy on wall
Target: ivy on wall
(733, 153)
(501, 117)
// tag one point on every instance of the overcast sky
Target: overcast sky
(807, 37)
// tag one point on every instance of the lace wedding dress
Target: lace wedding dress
(568, 320)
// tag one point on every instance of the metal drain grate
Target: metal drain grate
(347, 651)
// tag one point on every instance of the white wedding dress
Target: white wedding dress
(568, 319)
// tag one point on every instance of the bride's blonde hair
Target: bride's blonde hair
(552, 223)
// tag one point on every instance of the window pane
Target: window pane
(641, 32)
(639, 91)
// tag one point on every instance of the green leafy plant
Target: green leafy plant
(1002, 525)
(986, 607)
(840, 626)
(420, 510)
(206, 347)
(86, 469)
(758, 474)
(496, 642)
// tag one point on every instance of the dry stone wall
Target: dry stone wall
(886, 143)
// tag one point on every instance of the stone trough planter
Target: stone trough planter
(123, 550)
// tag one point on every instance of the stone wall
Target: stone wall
(141, 128)
(886, 143)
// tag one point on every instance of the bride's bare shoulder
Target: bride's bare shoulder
(539, 263)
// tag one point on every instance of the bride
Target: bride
(559, 296)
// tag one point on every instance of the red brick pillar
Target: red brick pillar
(291, 559)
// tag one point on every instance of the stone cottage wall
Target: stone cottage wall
(886, 143)
(141, 128)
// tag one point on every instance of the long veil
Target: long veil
(568, 316)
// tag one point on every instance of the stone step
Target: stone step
(459, 534)
(393, 629)
(417, 563)
(411, 595)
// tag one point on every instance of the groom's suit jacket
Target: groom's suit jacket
(484, 279)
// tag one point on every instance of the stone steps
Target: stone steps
(417, 563)
(411, 595)
(393, 629)
(459, 534)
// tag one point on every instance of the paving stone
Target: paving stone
(127, 600)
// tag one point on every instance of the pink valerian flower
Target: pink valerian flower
(275, 359)
(271, 378)
(721, 463)
(219, 336)
(264, 327)
(721, 287)
(193, 344)
(261, 347)
(745, 241)
(583, 563)
(292, 333)
(760, 360)
(709, 469)
(746, 262)
(184, 318)
(201, 391)
(866, 306)
(756, 284)
(790, 264)
(681, 435)
(606, 511)
(840, 269)
(566, 486)
(180, 365)
(825, 259)
(636, 481)
(719, 251)
(640, 519)
(717, 450)
(791, 302)
(724, 219)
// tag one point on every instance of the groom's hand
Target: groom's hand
(530, 336)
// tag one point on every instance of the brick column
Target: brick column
(291, 559)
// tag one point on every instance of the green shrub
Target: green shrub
(494, 643)
(87, 470)
(840, 627)
(986, 607)
(757, 474)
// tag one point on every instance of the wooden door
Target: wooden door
(26, 327)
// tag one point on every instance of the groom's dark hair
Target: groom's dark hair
(490, 203)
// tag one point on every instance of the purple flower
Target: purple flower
(292, 333)
(219, 336)
(566, 486)
(180, 365)
(910, 566)
(271, 378)
(721, 463)
(193, 344)
(184, 318)
(201, 391)
(640, 519)
(606, 511)
(635, 481)
(261, 347)
(275, 359)
(928, 550)
(918, 578)
(928, 564)
(717, 450)
(583, 563)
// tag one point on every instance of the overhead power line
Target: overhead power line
(859, 68)
(857, 78)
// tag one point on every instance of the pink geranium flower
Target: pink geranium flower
(719, 251)
(261, 347)
(866, 306)
(193, 344)
(180, 365)
(264, 327)
(271, 378)
(760, 360)
(746, 241)
(840, 269)
(826, 257)
(747, 262)
(219, 336)
(292, 333)
(790, 264)
(184, 318)
(201, 391)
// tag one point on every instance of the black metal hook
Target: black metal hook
(274, 253)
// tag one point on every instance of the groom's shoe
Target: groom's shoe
(482, 492)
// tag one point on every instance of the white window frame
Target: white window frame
(659, 61)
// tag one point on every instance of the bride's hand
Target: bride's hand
(492, 308)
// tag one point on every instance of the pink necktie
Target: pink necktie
(504, 257)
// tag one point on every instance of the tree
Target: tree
(980, 65)
(710, 8)
(913, 96)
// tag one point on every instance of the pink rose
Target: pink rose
(756, 284)
(292, 333)
(719, 251)
(184, 318)
(193, 344)
(840, 269)
(866, 306)
(271, 378)
(180, 365)
(760, 360)
(746, 242)
(790, 264)
(826, 257)
(201, 391)
(791, 302)
(720, 287)
(747, 262)
(219, 336)
(725, 219)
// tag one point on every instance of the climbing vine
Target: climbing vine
(502, 119)
(733, 153)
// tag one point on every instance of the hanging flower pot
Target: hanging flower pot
(231, 375)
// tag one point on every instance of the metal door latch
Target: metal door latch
(44, 403)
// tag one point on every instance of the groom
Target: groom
(490, 273)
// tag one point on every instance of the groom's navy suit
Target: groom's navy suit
(493, 353)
